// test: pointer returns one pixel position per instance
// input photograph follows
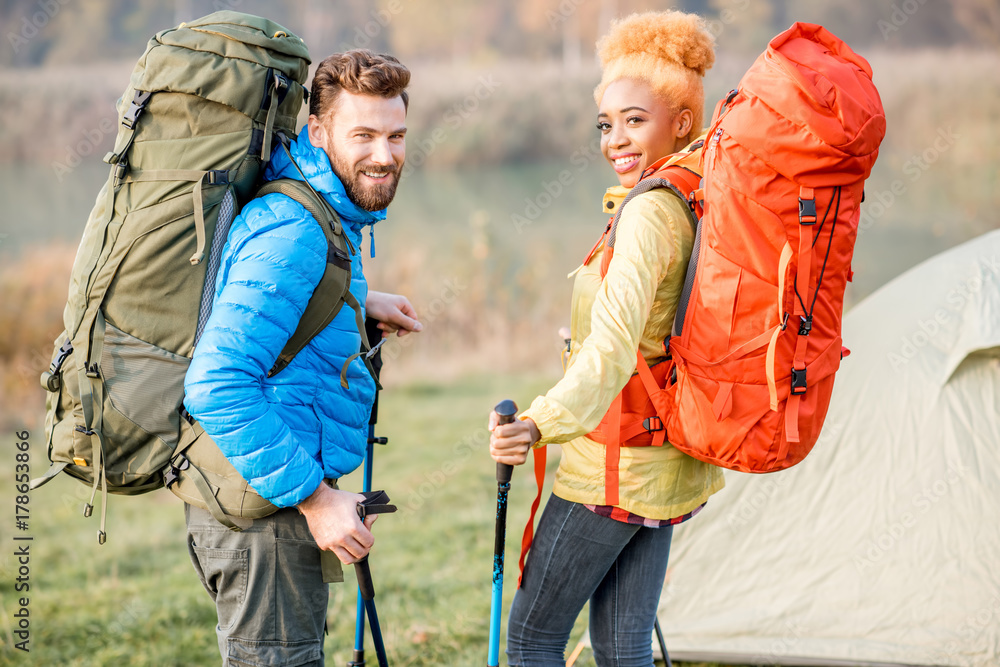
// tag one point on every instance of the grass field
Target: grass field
(136, 600)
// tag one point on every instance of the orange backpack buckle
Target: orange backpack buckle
(799, 383)
(648, 424)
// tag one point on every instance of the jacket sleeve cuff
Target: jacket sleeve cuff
(301, 491)
(551, 425)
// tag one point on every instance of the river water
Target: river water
(500, 212)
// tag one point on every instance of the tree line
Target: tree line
(62, 32)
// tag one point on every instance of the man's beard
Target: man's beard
(370, 197)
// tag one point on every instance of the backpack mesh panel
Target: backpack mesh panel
(226, 215)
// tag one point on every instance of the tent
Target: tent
(883, 546)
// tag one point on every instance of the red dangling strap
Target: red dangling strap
(612, 452)
(529, 529)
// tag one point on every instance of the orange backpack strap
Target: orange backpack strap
(652, 388)
(679, 173)
(678, 179)
(613, 450)
(529, 529)
(597, 245)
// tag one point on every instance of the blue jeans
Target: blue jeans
(578, 556)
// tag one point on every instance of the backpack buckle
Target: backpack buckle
(121, 168)
(135, 108)
(217, 177)
(374, 349)
(798, 381)
(172, 473)
(807, 211)
(281, 84)
(277, 83)
(648, 424)
(51, 378)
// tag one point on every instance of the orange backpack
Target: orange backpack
(756, 341)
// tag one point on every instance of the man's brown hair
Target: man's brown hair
(360, 72)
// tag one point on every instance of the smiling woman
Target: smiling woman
(605, 534)
(638, 127)
(650, 98)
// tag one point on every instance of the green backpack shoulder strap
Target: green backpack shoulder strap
(333, 290)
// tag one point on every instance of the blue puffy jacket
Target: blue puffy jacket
(286, 433)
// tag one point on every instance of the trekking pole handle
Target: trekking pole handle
(506, 411)
(365, 584)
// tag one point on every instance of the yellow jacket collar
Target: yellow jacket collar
(613, 198)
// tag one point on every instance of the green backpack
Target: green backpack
(197, 122)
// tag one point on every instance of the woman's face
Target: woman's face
(637, 128)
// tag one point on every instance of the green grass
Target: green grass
(137, 601)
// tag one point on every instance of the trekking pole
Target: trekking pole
(373, 332)
(375, 502)
(663, 644)
(506, 411)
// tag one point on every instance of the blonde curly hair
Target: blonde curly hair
(669, 50)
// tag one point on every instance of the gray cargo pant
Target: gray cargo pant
(267, 585)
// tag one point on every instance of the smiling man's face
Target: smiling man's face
(365, 139)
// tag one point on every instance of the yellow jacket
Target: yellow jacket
(632, 307)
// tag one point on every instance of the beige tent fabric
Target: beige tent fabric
(883, 546)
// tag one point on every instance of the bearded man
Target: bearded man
(294, 434)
